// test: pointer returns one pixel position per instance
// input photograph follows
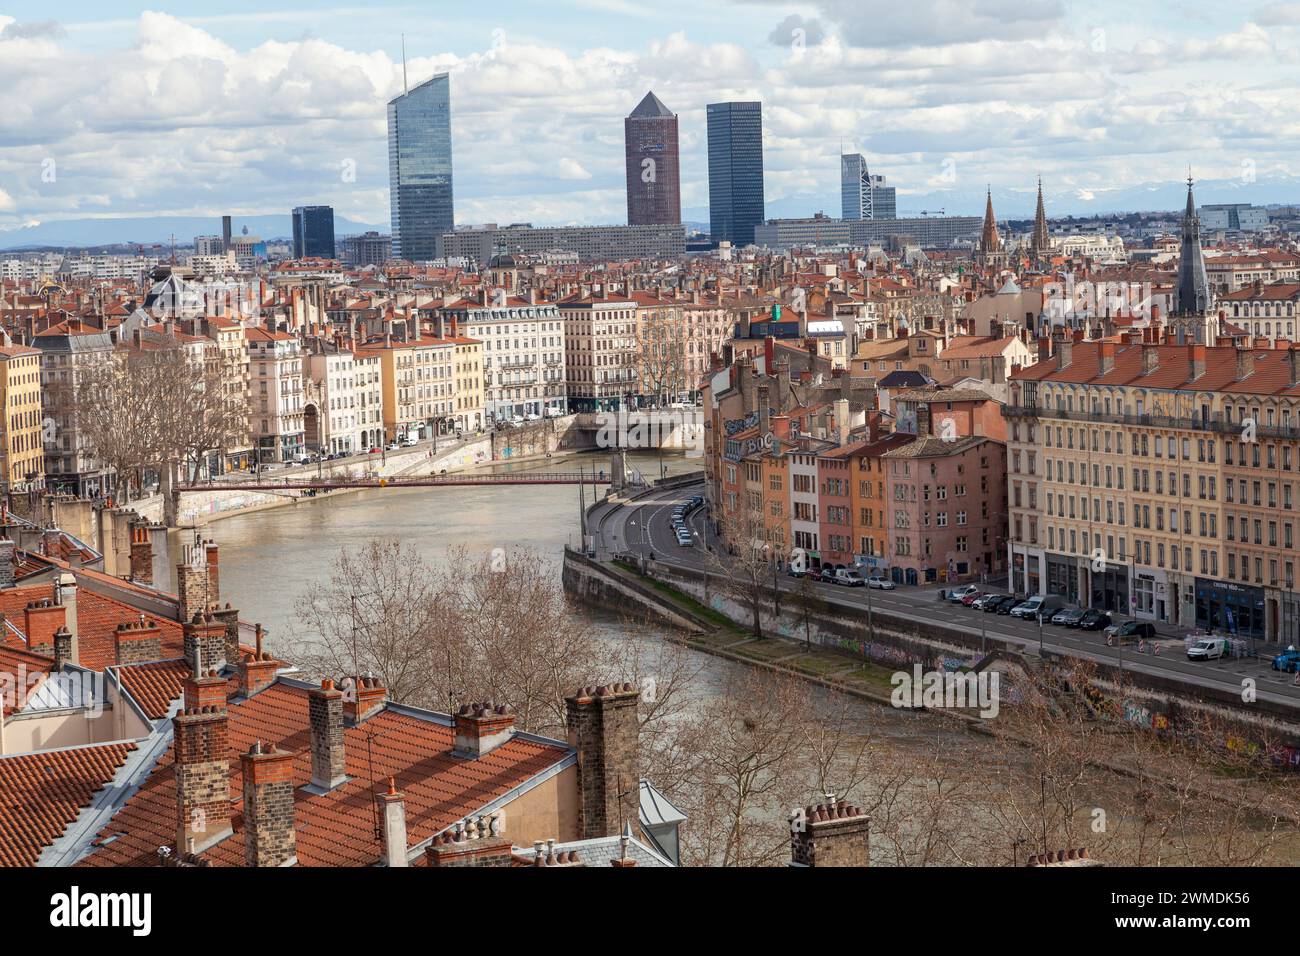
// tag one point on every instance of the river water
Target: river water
(270, 559)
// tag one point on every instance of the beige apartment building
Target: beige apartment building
(1159, 481)
(429, 382)
(22, 454)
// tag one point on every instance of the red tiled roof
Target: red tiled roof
(15, 661)
(42, 793)
(1173, 370)
(155, 685)
(333, 829)
(97, 620)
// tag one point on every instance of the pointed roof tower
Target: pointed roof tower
(990, 241)
(1039, 242)
(1192, 290)
(650, 106)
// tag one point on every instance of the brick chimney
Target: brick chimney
(364, 698)
(256, 673)
(1065, 349)
(1293, 364)
(269, 837)
(475, 842)
(205, 642)
(1150, 357)
(603, 729)
(65, 649)
(392, 816)
(325, 713)
(830, 834)
(228, 617)
(1044, 349)
(1106, 356)
(201, 747)
(192, 587)
(40, 620)
(136, 642)
(1245, 363)
(211, 557)
(1196, 361)
(481, 728)
(6, 562)
(141, 554)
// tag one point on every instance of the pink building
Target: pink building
(947, 504)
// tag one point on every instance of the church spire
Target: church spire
(1192, 291)
(1039, 242)
(990, 241)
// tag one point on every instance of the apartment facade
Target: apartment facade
(276, 395)
(1160, 480)
(602, 358)
(22, 466)
(69, 351)
(522, 353)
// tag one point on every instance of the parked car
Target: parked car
(880, 583)
(957, 594)
(1040, 606)
(533, 417)
(684, 539)
(1132, 630)
(1094, 620)
(971, 598)
(1288, 660)
(850, 577)
(1209, 649)
(982, 602)
(1006, 607)
(1068, 617)
(393, 446)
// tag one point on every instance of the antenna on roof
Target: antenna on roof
(405, 90)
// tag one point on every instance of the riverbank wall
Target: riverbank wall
(899, 642)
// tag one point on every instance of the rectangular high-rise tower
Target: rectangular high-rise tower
(653, 173)
(862, 195)
(419, 169)
(735, 171)
(313, 232)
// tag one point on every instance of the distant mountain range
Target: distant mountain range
(961, 200)
(968, 199)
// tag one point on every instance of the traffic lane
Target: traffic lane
(1053, 637)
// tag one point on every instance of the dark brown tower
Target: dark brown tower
(653, 172)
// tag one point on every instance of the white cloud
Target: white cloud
(179, 120)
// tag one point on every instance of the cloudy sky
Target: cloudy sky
(267, 105)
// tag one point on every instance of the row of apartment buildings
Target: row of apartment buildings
(1160, 480)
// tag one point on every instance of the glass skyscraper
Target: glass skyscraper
(419, 169)
(313, 232)
(862, 195)
(735, 171)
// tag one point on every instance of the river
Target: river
(271, 558)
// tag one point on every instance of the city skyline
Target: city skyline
(536, 115)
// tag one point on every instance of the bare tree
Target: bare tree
(662, 359)
(159, 404)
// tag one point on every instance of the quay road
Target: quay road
(644, 526)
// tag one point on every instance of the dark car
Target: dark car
(1093, 621)
(1132, 631)
(1004, 607)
